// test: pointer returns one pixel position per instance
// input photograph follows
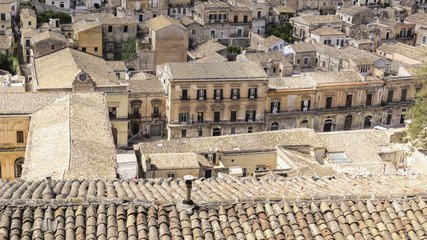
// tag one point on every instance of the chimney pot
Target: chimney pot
(188, 185)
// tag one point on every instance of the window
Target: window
(52, 47)
(125, 29)
(347, 122)
(305, 60)
(245, 19)
(212, 17)
(19, 136)
(217, 116)
(328, 102)
(403, 95)
(367, 123)
(83, 49)
(61, 4)
(184, 94)
(154, 15)
(275, 107)
(183, 133)
(235, 93)
(171, 175)
(201, 94)
(216, 132)
(213, 34)
(183, 117)
(96, 49)
(184, 11)
(252, 93)
(233, 130)
(3, 17)
(233, 116)
(141, 18)
(29, 23)
(368, 99)
(250, 115)
(390, 96)
(112, 112)
(305, 105)
(364, 69)
(200, 132)
(298, 61)
(193, 31)
(236, 18)
(156, 110)
(348, 100)
(110, 28)
(274, 126)
(239, 32)
(258, 15)
(304, 123)
(324, 63)
(218, 94)
(250, 130)
(27, 43)
(424, 39)
(18, 166)
(135, 111)
(200, 117)
(222, 17)
(389, 116)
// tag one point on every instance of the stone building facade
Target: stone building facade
(213, 99)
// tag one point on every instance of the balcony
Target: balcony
(210, 123)
(134, 116)
(156, 115)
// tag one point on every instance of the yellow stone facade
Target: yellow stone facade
(13, 138)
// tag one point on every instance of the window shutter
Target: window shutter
(238, 93)
(278, 107)
(198, 94)
(271, 107)
(221, 94)
(254, 116)
(249, 93)
(256, 92)
(247, 116)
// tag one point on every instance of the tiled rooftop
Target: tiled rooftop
(215, 70)
(161, 22)
(210, 191)
(326, 31)
(353, 10)
(271, 41)
(26, 102)
(317, 19)
(48, 35)
(77, 130)
(59, 69)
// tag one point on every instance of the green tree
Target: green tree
(417, 128)
(45, 16)
(125, 49)
(8, 62)
(284, 32)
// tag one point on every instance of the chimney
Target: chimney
(188, 185)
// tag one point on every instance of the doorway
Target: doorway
(347, 122)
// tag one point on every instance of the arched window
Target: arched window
(274, 126)
(18, 166)
(367, 123)
(327, 126)
(304, 123)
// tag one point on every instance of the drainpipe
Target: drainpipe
(188, 186)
